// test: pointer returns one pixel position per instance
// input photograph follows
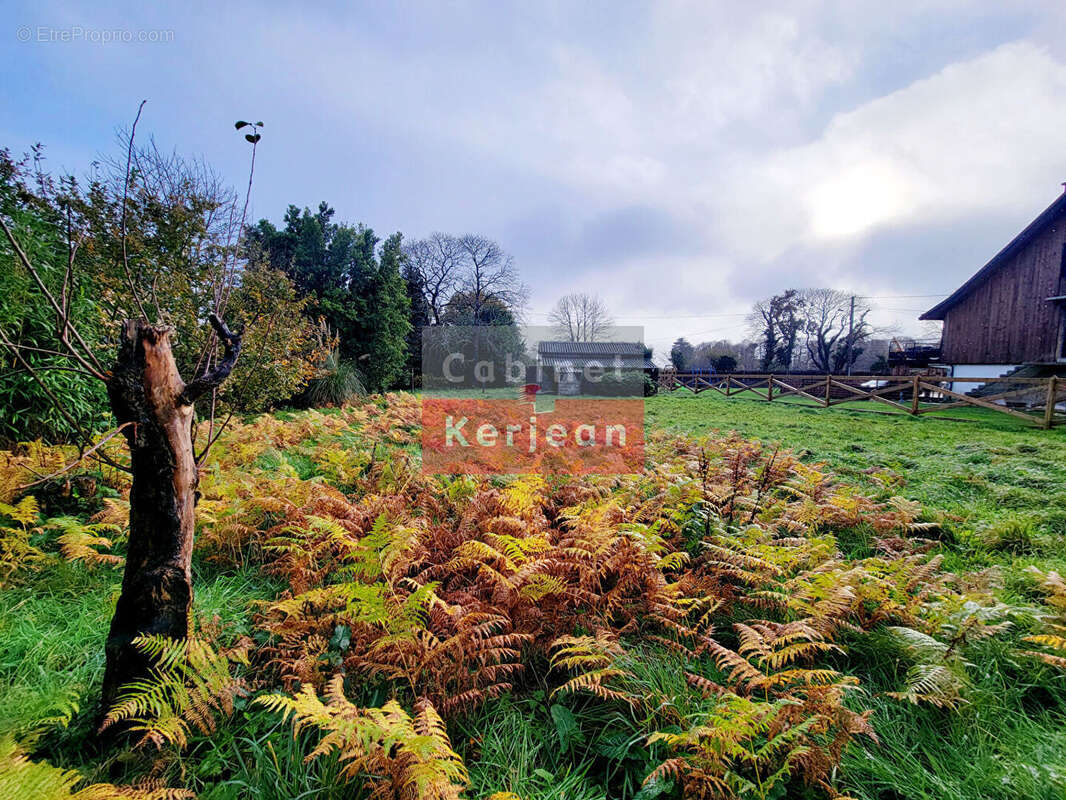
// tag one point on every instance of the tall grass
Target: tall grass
(339, 383)
(1008, 740)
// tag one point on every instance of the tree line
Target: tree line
(329, 308)
(819, 330)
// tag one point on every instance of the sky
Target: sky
(679, 159)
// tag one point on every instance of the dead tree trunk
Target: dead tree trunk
(145, 389)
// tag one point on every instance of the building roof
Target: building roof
(578, 363)
(1032, 230)
(576, 355)
(590, 348)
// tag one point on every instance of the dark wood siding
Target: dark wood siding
(1007, 319)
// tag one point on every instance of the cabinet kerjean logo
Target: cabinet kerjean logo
(465, 435)
(513, 399)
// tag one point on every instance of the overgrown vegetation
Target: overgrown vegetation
(162, 247)
(842, 613)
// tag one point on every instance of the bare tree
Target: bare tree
(439, 260)
(834, 332)
(154, 408)
(581, 318)
(488, 279)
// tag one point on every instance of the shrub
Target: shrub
(340, 382)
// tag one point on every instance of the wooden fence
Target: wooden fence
(1031, 399)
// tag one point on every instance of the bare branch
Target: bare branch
(53, 368)
(438, 260)
(228, 282)
(42, 350)
(125, 196)
(55, 400)
(231, 342)
(68, 284)
(64, 323)
(581, 318)
(489, 278)
(80, 458)
(212, 438)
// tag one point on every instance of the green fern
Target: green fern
(937, 677)
(190, 684)
(16, 552)
(37, 780)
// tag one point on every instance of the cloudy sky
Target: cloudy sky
(680, 159)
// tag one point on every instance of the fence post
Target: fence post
(828, 390)
(1049, 412)
(914, 397)
(770, 389)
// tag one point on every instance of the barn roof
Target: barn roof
(1032, 230)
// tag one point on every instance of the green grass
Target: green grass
(975, 474)
(1009, 741)
(998, 486)
(513, 746)
(52, 630)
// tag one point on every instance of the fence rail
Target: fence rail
(1034, 400)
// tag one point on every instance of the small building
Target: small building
(1012, 312)
(914, 357)
(600, 368)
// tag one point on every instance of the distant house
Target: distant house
(1012, 312)
(574, 367)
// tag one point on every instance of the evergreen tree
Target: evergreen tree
(681, 355)
(419, 317)
(316, 254)
(360, 293)
(385, 324)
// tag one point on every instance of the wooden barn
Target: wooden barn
(1012, 312)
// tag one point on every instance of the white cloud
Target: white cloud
(648, 121)
(721, 67)
(980, 135)
(724, 151)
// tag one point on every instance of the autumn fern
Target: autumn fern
(399, 755)
(38, 780)
(1053, 638)
(592, 660)
(736, 751)
(86, 542)
(191, 683)
(16, 552)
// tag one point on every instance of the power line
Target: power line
(642, 317)
(899, 296)
(903, 310)
(661, 316)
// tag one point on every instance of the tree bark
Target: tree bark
(145, 389)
